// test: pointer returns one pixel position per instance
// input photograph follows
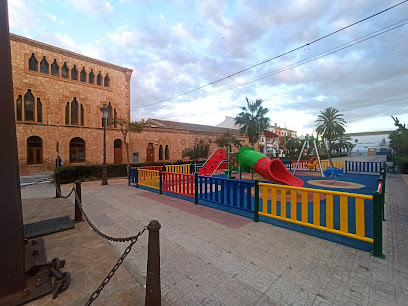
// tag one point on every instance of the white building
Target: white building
(369, 143)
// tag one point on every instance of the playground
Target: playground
(345, 208)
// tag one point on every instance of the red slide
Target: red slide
(274, 170)
(213, 162)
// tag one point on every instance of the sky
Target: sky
(177, 46)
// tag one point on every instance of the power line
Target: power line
(304, 61)
(270, 59)
(210, 24)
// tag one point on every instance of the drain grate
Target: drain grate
(46, 227)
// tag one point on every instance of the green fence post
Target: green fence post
(345, 166)
(196, 188)
(137, 178)
(378, 230)
(160, 182)
(256, 212)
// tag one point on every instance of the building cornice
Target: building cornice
(51, 48)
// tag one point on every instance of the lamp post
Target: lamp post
(399, 139)
(104, 114)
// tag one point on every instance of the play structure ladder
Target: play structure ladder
(212, 163)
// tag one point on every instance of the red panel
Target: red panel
(213, 162)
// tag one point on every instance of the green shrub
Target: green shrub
(402, 163)
(70, 174)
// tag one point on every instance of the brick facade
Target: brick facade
(55, 98)
(54, 92)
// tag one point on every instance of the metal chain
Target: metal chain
(132, 239)
(106, 280)
(59, 192)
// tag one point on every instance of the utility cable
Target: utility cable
(278, 56)
(302, 62)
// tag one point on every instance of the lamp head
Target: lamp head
(104, 111)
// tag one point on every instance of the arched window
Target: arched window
(65, 71)
(74, 111)
(19, 108)
(166, 152)
(74, 73)
(91, 77)
(82, 115)
(115, 118)
(109, 114)
(44, 66)
(39, 110)
(106, 81)
(29, 106)
(34, 150)
(33, 63)
(55, 68)
(83, 75)
(67, 113)
(160, 152)
(99, 79)
(77, 150)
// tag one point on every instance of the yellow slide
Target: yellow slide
(314, 164)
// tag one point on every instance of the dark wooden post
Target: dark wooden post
(153, 290)
(78, 213)
(58, 185)
(12, 256)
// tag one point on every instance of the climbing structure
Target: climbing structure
(212, 163)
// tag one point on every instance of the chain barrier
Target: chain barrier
(59, 192)
(62, 279)
(133, 239)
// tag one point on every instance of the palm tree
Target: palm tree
(330, 125)
(252, 120)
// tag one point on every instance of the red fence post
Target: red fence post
(153, 289)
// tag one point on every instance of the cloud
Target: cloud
(92, 7)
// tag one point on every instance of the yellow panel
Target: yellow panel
(283, 202)
(293, 204)
(273, 201)
(304, 207)
(316, 209)
(264, 199)
(360, 219)
(329, 211)
(344, 214)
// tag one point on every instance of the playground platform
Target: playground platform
(211, 257)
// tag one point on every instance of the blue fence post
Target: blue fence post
(196, 188)
(256, 212)
(345, 166)
(160, 182)
(137, 177)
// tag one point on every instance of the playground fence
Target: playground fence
(339, 164)
(356, 166)
(310, 215)
(157, 168)
(232, 193)
(186, 168)
(222, 167)
(178, 183)
(314, 208)
(148, 178)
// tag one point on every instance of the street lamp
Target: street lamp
(104, 114)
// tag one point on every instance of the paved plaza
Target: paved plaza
(210, 257)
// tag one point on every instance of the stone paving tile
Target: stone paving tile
(206, 261)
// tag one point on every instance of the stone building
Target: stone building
(163, 140)
(58, 95)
